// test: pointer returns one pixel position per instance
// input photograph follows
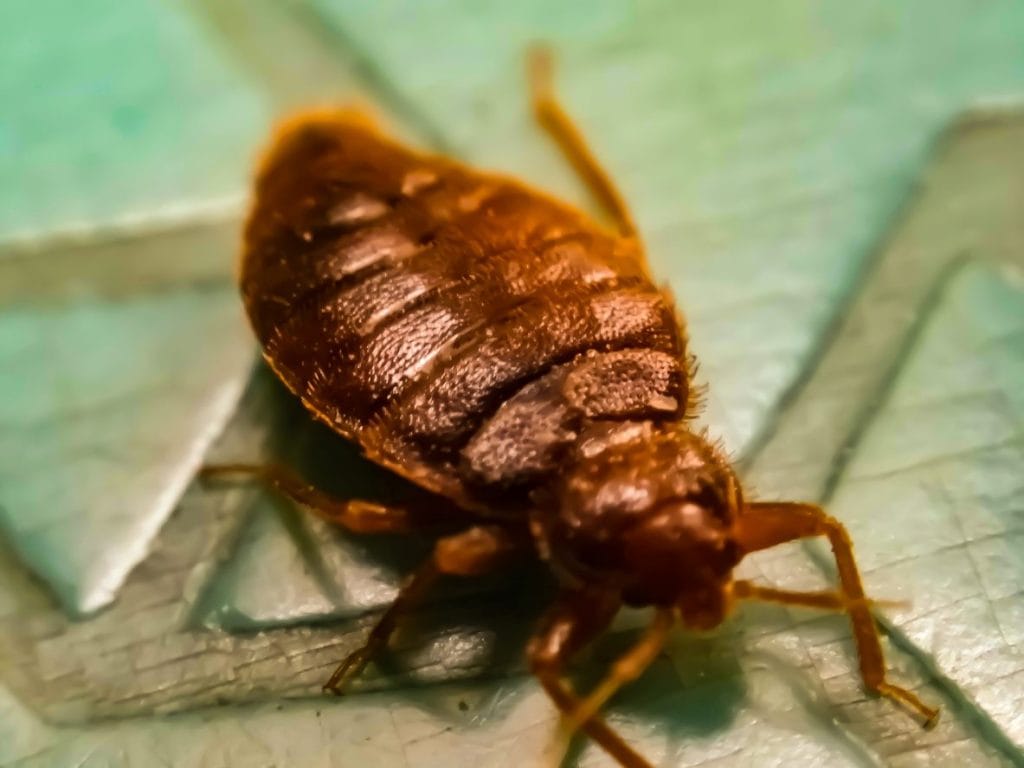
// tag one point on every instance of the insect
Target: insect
(512, 358)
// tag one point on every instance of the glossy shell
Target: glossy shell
(457, 325)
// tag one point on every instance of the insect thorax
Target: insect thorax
(647, 507)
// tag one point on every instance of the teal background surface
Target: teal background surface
(848, 253)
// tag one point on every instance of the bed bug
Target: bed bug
(512, 358)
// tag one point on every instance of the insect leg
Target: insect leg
(560, 127)
(765, 524)
(626, 669)
(472, 552)
(353, 514)
(415, 587)
(567, 626)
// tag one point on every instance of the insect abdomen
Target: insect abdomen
(405, 298)
(524, 439)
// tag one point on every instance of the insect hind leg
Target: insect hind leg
(557, 123)
(412, 592)
(355, 515)
(474, 551)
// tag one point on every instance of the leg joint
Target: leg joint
(475, 551)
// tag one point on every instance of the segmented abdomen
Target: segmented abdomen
(456, 324)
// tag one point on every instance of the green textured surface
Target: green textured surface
(136, 401)
(766, 148)
(116, 113)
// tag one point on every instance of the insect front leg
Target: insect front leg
(576, 619)
(474, 551)
(764, 524)
(355, 515)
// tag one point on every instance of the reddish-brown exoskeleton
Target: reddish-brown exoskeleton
(512, 358)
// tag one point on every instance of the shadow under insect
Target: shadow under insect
(467, 628)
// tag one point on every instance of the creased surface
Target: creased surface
(766, 151)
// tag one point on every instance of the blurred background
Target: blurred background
(832, 190)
